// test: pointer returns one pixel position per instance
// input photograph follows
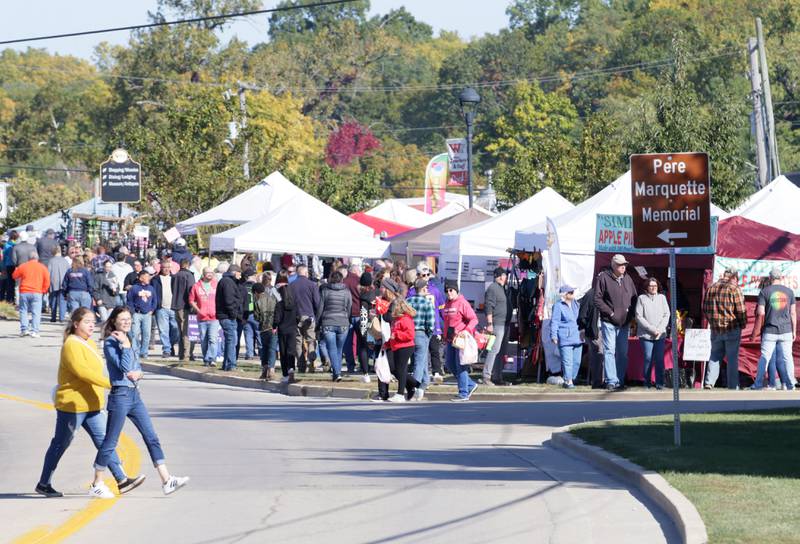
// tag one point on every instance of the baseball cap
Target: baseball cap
(566, 289)
(180, 242)
(776, 273)
(423, 268)
(619, 259)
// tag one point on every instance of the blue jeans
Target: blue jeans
(252, 338)
(209, 332)
(140, 333)
(230, 329)
(615, 352)
(269, 348)
(725, 345)
(126, 402)
(570, 361)
(78, 299)
(653, 355)
(489, 370)
(349, 352)
(30, 302)
(784, 363)
(333, 338)
(421, 374)
(461, 372)
(66, 425)
(167, 329)
(58, 306)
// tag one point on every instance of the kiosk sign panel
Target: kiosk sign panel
(671, 200)
(120, 178)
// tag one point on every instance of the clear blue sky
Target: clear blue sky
(28, 18)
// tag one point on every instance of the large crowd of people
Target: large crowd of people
(327, 316)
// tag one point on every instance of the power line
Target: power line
(178, 22)
(45, 168)
(547, 78)
(52, 147)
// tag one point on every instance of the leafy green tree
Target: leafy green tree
(30, 199)
(675, 120)
(284, 24)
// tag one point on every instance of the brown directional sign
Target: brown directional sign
(671, 195)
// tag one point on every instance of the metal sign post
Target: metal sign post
(671, 208)
(676, 381)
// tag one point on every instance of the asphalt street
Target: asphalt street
(265, 467)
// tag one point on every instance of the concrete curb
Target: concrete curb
(483, 394)
(671, 501)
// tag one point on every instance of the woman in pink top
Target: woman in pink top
(458, 316)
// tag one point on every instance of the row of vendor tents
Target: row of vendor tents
(275, 216)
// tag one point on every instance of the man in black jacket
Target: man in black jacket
(589, 323)
(229, 312)
(306, 297)
(182, 283)
(615, 299)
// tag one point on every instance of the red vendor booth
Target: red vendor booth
(754, 249)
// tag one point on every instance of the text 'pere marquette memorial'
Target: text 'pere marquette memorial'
(671, 199)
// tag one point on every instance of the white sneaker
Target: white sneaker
(438, 378)
(24, 333)
(365, 378)
(174, 483)
(418, 394)
(100, 491)
(397, 398)
(219, 359)
(34, 335)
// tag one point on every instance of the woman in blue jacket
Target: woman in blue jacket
(564, 333)
(125, 402)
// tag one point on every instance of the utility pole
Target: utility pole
(243, 109)
(772, 142)
(762, 174)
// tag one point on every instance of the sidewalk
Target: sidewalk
(351, 387)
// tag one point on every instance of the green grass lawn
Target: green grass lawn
(740, 469)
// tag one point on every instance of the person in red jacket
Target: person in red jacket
(401, 343)
(458, 317)
(202, 299)
(34, 282)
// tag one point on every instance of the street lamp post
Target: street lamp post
(469, 99)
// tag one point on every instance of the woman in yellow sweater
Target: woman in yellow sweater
(79, 401)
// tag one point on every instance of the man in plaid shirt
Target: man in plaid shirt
(424, 323)
(724, 308)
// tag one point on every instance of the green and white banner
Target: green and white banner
(752, 273)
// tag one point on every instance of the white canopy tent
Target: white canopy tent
(262, 199)
(398, 212)
(576, 230)
(491, 238)
(93, 206)
(306, 226)
(774, 205)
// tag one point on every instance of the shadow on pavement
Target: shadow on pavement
(547, 414)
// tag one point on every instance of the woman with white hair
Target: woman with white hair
(565, 334)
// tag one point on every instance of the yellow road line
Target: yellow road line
(131, 461)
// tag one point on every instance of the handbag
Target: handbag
(374, 329)
(468, 355)
(382, 368)
(386, 330)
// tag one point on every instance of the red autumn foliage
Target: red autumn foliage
(349, 142)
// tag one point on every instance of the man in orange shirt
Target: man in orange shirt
(34, 282)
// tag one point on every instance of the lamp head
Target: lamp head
(469, 99)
